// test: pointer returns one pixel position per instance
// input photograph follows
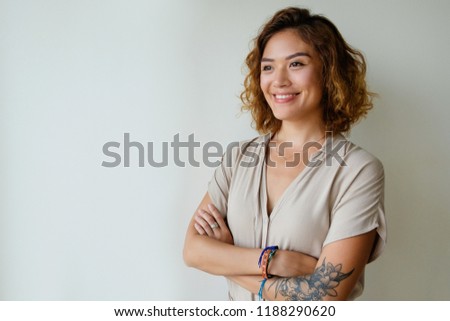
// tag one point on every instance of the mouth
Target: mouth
(284, 98)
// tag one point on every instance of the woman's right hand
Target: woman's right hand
(291, 263)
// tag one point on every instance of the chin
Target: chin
(284, 116)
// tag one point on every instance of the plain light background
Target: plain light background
(77, 74)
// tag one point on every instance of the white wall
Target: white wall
(77, 74)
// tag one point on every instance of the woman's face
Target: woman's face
(291, 78)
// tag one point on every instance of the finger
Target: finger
(199, 229)
(209, 218)
(199, 218)
(217, 216)
(203, 225)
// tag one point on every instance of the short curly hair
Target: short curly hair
(346, 98)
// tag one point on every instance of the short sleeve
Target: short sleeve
(219, 185)
(360, 206)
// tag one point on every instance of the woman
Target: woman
(300, 200)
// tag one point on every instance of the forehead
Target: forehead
(285, 43)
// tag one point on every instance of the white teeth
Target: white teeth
(284, 96)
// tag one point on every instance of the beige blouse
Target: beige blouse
(328, 201)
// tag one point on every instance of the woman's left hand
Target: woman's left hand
(212, 224)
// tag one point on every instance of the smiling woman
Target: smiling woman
(289, 230)
(291, 79)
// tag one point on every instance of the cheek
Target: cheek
(263, 83)
(311, 82)
(316, 78)
(307, 78)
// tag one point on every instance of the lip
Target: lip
(283, 98)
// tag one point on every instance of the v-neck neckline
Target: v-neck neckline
(294, 182)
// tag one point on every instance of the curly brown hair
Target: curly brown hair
(346, 98)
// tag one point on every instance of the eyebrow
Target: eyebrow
(297, 54)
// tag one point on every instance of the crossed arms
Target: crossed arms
(297, 276)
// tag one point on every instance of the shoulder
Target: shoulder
(254, 143)
(353, 158)
(245, 150)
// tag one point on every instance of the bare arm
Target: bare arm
(216, 256)
(213, 251)
(337, 271)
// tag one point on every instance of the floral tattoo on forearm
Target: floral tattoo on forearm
(313, 287)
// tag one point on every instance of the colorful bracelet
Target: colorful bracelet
(263, 262)
(261, 288)
(274, 247)
(271, 255)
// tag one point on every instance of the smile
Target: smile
(284, 98)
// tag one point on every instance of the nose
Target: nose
(281, 78)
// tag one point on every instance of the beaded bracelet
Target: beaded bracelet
(263, 262)
(265, 258)
(272, 248)
(271, 255)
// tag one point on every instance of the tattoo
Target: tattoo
(313, 287)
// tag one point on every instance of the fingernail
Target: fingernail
(210, 207)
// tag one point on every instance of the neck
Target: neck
(300, 134)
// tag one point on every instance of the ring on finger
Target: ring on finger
(214, 225)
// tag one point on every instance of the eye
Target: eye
(297, 64)
(266, 68)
